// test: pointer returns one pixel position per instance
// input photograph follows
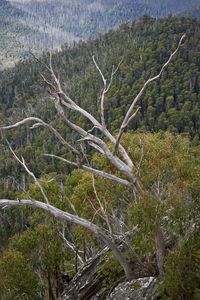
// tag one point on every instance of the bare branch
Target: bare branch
(39, 60)
(22, 122)
(53, 210)
(105, 89)
(62, 99)
(97, 231)
(114, 71)
(102, 94)
(122, 131)
(91, 170)
(129, 116)
(70, 245)
(96, 147)
(48, 82)
(141, 159)
(43, 124)
(133, 116)
(104, 214)
(98, 68)
(57, 82)
(22, 162)
(117, 162)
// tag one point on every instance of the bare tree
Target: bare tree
(118, 156)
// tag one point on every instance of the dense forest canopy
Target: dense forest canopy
(35, 248)
(170, 104)
(11, 34)
(48, 24)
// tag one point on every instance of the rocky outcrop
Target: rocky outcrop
(137, 289)
(87, 282)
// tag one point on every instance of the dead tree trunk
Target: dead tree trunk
(128, 170)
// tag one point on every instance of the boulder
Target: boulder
(137, 289)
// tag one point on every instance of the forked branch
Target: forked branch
(105, 89)
(62, 99)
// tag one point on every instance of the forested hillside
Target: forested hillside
(12, 32)
(48, 24)
(170, 104)
(194, 13)
(163, 140)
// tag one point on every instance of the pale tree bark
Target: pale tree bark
(74, 219)
(70, 245)
(118, 156)
(122, 162)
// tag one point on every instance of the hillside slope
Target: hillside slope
(194, 13)
(12, 33)
(48, 24)
(66, 20)
(41, 254)
(170, 104)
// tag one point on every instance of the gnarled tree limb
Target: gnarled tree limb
(74, 219)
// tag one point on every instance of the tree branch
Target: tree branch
(70, 245)
(43, 124)
(117, 162)
(128, 117)
(92, 170)
(104, 91)
(104, 214)
(62, 99)
(97, 231)
(22, 162)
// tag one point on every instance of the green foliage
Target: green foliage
(18, 281)
(170, 173)
(52, 187)
(92, 197)
(110, 271)
(182, 275)
(169, 104)
(170, 183)
(36, 245)
(29, 261)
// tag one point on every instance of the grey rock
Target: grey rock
(137, 289)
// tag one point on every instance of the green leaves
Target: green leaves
(28, 261)
(182, 276)
(18, 278)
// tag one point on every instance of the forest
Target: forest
(48, 24)
(161, 213)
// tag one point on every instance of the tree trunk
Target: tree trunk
(50, 288)
(119, 255)
(160, 249)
